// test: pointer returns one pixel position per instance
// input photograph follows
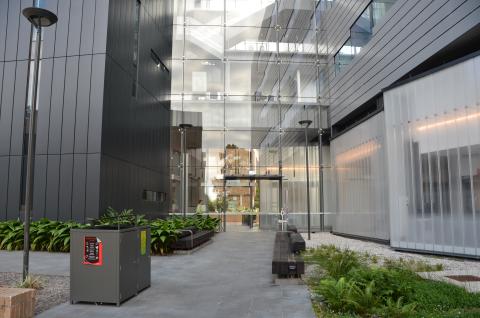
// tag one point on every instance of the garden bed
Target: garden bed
(54, 236)
(55, 290)
(345, 283)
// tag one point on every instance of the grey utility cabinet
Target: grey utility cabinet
(109, 265)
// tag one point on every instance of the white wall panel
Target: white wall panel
(358, 159)
(433, 137)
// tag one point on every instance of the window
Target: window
(154, 196)
(361, 32)
(345, 55)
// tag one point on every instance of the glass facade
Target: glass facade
(244, 73)
(433, 134)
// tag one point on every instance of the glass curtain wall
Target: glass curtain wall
(433, 133)
(244, 72)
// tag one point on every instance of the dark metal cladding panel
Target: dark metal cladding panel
(18, 115)
(65, 190)
(88, 25)
(56, 106)
(48, 49)
(83, 104)
(8, 89)
(78, 189)
(43, 115)
(3, 186)
(12, 30)
(24, 33)
(74, 27)
(39, 187)
(3, 27)
(14, 187)
(61, 37)
(52, 187)
(92, 194)
(96, 104)
(69, 105)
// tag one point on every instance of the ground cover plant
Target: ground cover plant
(54, 236)
(345, 283)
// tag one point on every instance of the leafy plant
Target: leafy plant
(412, 265)
(31, 281)
(337, 263)
(11, 235)
(113, 217)
(335, 293)
(397, 309)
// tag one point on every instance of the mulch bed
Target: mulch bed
(56, 289)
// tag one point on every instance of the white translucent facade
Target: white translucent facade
(361, 194)
(433, 138)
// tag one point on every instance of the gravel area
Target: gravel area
(384, 251)
(56, 289)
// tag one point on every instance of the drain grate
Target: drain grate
(464, 278)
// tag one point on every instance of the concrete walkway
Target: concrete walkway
(227, 279)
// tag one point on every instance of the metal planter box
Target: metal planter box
(109, 265)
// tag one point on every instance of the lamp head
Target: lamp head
(305, 122)
(40, 17)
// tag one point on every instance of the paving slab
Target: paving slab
(229, 278)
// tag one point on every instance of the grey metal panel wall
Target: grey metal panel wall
(410, 33)
(69, 123)
(135, 143)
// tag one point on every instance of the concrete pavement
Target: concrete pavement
(229, 278)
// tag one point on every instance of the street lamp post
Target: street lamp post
(39, 18)
(306, 123)
(183, 146)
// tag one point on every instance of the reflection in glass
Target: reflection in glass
(203, 42)
(254, 78)
(250, 13)
(204, 77)
(204, 12)
(250, 43)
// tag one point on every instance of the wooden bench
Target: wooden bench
(17, 302)
(285, 263)
(292, 228)
(191, 238)
(297, 243)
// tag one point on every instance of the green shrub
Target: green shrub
(412, 265)
(337, 263)
(45, 235)
(163, 234)
(336, 293)
(54, 236)
(11, 235)
(351, 285)
(113, 217)
(397, 309)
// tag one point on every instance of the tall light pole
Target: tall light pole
(306, 123)
(183, 146)
(39, 18)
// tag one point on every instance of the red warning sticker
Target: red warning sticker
(92, 251)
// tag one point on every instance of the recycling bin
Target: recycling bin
(109, 265)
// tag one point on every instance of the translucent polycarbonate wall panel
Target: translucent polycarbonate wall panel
(361, 193)
(433, 137)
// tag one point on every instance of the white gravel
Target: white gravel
(384, 251)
